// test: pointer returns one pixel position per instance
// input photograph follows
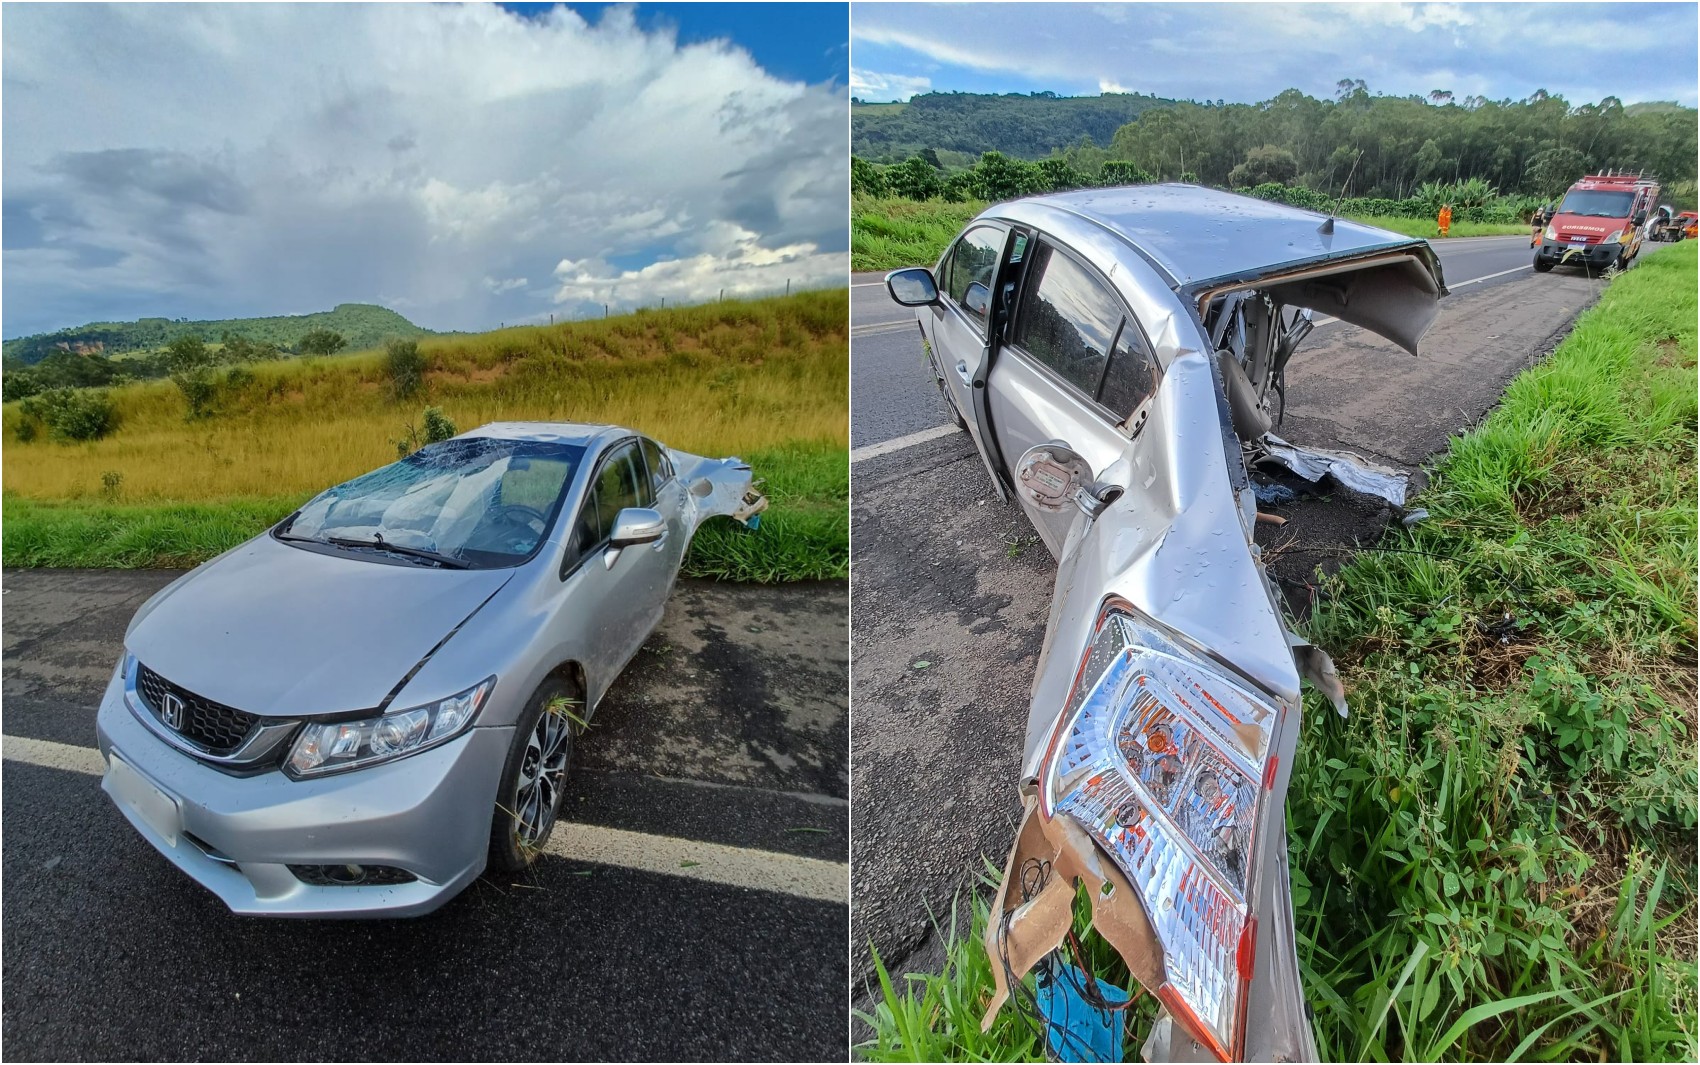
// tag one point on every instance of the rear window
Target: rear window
(1068, 319)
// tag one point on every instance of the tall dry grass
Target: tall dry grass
(717, 379)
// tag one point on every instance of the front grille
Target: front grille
(218, 728)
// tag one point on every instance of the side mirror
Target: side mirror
(633, 527)
(1640, 218)
(913, 286)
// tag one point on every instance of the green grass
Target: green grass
(764, 379)
(803, 534)
(890, 232)
(1494, 858)
(1426, 227)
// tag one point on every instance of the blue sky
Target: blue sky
(465, 165)
(1250, 52)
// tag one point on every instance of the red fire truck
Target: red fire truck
(1598, 224)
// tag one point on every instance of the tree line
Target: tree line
(1357, 145)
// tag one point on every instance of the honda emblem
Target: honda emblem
(171, 711)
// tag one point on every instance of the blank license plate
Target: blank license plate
(138, 793)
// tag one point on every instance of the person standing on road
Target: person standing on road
(1537, 222)
(1445, 218)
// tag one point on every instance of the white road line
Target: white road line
(718, 863)
(877, 328)
(886, 447)
(1490, 277)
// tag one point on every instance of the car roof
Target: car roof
(580, 433)
(1196, 234)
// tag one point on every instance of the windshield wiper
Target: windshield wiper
(379, 543)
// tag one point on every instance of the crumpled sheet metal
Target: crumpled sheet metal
(1023, 932)
(719, 488)
(1355, 472)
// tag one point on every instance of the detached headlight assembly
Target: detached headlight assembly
(333, 746)
(1168, 764)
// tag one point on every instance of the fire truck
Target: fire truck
(1598, 223)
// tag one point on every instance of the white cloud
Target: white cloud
(1248, 52)
(875, 87)
(206, 160)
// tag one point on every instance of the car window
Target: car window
(973, 263)
(1068, 319)
(617, 487)
(1133, 373)
(660, 467)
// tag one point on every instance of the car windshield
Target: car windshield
(1598, 203)
(473, 503)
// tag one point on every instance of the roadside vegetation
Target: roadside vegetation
(1494, 858)
(181, 473)
(888, 232)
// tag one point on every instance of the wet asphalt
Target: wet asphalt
(952, 588)
(729, 728)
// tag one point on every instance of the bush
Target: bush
(866, 178)
(322, 342)
(438, 427)
(1122, 172)
(199, 391)
(405, 366)
(71, 413)
(914, 179)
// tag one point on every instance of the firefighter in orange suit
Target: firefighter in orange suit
(1445, 218)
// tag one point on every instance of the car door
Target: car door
(1077, 367)
(668, 497)
(959, 325)
(626, 597)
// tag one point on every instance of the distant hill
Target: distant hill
(1027, 125)
(363, 325)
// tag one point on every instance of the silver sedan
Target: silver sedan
(358, 711)
(1119, 358)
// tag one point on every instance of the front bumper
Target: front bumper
(428, 814)
(1594, 256)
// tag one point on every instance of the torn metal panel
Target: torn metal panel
(719, 488)
(1355, 472)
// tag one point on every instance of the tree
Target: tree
(1122, 172)
(322, 342)
(914, 178)
(187, 354)
(998, 177)
(405, 366)
(1552, 171)
(1265, 164)
(865, 178)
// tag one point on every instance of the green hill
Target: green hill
(362, 325)
(1026, 125)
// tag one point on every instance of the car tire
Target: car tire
(534, 776)
(1542, 265)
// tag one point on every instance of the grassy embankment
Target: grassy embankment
(765, 380)
(1494, 857)
(889, 232)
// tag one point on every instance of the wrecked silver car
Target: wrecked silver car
(355, 712)
(1119, 357)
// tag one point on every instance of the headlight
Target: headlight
(332, 746)
(1166, 762)
(1551, 233)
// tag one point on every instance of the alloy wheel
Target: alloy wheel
(542, 777)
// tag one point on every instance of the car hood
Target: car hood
(284, 632)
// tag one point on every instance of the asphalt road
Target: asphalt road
(892, 396)
(952, 588)
(693, 909)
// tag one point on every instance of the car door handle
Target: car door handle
(963, 372)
